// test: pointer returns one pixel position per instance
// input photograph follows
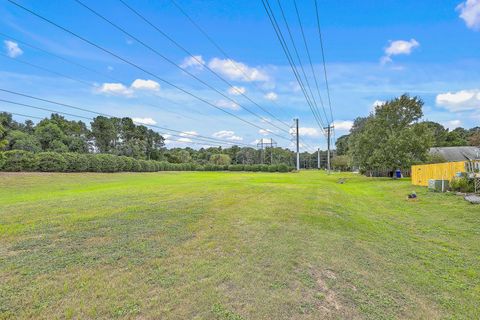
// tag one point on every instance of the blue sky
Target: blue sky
(375, 50)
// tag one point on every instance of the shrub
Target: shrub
(152, 166)
(162, 165)
(272, 168)
(255, 167)
(121, 163)
(283, 168)
(76, 162)
(93, 163)
(136, 166)
(264, 167)
(107, 163)
(51, 162)
(462, 185)
(236, 167)
(248, 168)
(19, 160)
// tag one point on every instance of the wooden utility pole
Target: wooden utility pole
(318, 159)
(329, 133)
(297, 132)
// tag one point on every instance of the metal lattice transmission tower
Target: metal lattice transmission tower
(263, 144)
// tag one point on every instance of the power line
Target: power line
(23, 115)
(89, 85)
(323, 57)
(58, 56)
(136, 66)
(45, 69)
(290, 34)
(288, 55)
(74, 79)
(83, 117)
(58, 112)
(111, 116)
(173, 63)
(309, 57)
(220, 49)
(72, 115)
(178, 45)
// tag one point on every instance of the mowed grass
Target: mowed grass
(224, 245)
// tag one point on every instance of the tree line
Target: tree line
(122, 138)
(394, 137)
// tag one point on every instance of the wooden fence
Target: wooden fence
(438, 171)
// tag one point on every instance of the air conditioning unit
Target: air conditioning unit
(438, 185)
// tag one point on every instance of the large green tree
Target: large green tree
(104, 133)
(392, 137)
(50, 136)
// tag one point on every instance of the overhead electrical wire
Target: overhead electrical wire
(305, 42)
(77, 116)
(221, 50)
(295, 50)
(91, 119)
(288, 55)
(93, 84)
(178, 45)
(17, 60)
(323, 58)
(184, 134)
(137, 66)
(173, 63)
(22, 115)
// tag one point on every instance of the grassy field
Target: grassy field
(220, 245)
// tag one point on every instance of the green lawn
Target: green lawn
(218, 245)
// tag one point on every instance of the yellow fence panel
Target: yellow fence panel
(438, 171)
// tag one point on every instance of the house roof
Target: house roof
(457, 153)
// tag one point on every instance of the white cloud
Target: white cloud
(399, 47)
(307, 132)
(237, 71)
(146, 121)
(224, 104)
(236, 91)
(378, 103)
(463, 100)
(470, 13)
(228, 135)
(13, 50)
(272, 96)
(186, 140)
(120, 89)
(196, 62)
(189, 133)
(141, 84)
(115, 89)
(343, 125)
(452, 124)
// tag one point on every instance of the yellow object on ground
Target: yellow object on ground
(438, 171)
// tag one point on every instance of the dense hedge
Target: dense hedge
(19, 160)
